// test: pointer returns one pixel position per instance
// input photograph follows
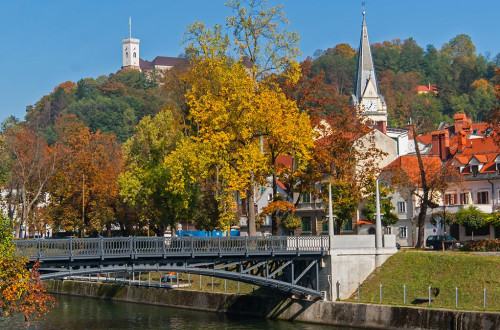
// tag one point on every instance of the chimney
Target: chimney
(444, 144)
(462, 123)
(382, 126)
(410, 131)
(435, 143)
(462, 140)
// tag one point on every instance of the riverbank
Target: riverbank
(321, 312)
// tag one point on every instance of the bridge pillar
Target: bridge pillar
(351, 260)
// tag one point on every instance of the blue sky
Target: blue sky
(51, 41)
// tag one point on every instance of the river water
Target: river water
(89, 313)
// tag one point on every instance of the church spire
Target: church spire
(366, 94)
(366, 68)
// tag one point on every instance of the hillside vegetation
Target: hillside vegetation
(443, 271)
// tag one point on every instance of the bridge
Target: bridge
(289, 264)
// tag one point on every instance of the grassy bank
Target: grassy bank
(443, 271)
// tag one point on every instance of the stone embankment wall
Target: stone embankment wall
(334, 313)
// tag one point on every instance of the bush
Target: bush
(491, 245)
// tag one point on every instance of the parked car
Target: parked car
(436, 242)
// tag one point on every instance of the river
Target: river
(89, 313)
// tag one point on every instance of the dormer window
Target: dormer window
(498, 168)
(474, 170)
(474, 131)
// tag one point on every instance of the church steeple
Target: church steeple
(366, 93)
(130, 49)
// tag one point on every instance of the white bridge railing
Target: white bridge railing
(137, 247)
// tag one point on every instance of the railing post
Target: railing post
(71, 248)
(131, 248)
(101, 250)
(219, 243)
(39, 248)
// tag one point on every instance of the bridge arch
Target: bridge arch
(286, 264)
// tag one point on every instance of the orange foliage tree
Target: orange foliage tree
(21, 290)
(84, 191)
(341, 144)
(34, 163)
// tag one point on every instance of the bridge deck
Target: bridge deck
(47, 250)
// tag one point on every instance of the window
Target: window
(324, 225)
(126, 54)
(464, 198)
(135, 55)
(306, 198)
(269, 197)
(499, 195)
(348, 225)
(450, 199)
(477, 231)
(268, 221)
(474, 170)
(388, 230)
(498, 168)
(306, 223)
(482, 197)
(401, 207)
(403, 232)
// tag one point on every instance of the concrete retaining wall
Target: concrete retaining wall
(334, 313)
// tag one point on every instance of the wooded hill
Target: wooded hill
(465, 81)
(115, 104)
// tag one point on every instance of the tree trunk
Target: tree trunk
(274, 219)
(425, 198)
(421, 220)
(252, 229)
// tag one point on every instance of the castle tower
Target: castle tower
(366, 94)
(130, 50)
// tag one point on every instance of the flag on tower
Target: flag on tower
(130, 27)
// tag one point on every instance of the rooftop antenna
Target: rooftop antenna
(363, 3)
(130, 27)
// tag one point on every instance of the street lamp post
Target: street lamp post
(333, 275)
(378, 220)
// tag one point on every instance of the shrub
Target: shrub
(491, 245)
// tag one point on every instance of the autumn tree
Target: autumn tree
(342, 143)
(34, 163)
(233, 105)
(21, 290)
(84, 194)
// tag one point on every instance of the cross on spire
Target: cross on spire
(363, 3)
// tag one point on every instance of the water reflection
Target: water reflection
(88, 313)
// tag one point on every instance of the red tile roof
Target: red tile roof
(425, 139)
(408, 164)
(286, 161)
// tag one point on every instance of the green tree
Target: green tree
(472, 218)
(386, 207)
(159, 177)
